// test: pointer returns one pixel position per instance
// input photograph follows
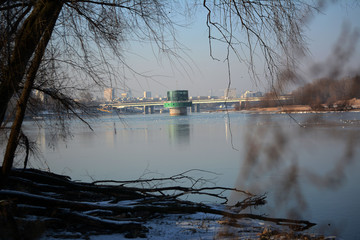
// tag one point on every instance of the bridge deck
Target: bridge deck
(194, 101)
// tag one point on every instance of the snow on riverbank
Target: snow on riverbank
(188, 226)
(197, 226)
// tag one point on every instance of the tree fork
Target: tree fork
(22, 102)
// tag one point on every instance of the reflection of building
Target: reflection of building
(147, 94)
(179, 132)
(248, 94)
(230, 93)
(39, 95)
(109, 94)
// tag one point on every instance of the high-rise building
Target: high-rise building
(147, 94)
(230, 93)
(109, 94)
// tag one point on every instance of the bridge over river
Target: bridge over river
(149, 106)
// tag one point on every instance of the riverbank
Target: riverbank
(199, 226)
(36, 204)
(282, 109)
(349, 105)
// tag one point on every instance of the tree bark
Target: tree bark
(26, 43)
(22, 102)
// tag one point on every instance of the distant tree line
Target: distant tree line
(321, 94)
(328, 93)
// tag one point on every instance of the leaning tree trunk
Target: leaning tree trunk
(23, 100)
(26, 42)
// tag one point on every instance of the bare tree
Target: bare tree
(81, 32)
(78, 37)
(269, 32)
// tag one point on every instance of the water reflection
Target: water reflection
(179, 131)
(298, 166)
(308, 172)
(41, 140)
(110, 135)
(47, 134)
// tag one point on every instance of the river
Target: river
(308, 167)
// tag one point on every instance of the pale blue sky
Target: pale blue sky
(202, 75)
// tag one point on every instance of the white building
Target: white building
(147, 94)
(248, 94)
(109, 94)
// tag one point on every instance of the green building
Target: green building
(177, 102)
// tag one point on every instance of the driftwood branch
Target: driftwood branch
(65, 204)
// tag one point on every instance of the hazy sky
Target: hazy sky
(201, 75)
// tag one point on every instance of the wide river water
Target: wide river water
(308, 167)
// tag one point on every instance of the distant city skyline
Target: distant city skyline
(203, 76)
(111, 94)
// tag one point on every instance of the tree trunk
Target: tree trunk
(26, 43)
(22, 102)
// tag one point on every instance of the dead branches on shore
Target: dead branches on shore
(56, 203)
